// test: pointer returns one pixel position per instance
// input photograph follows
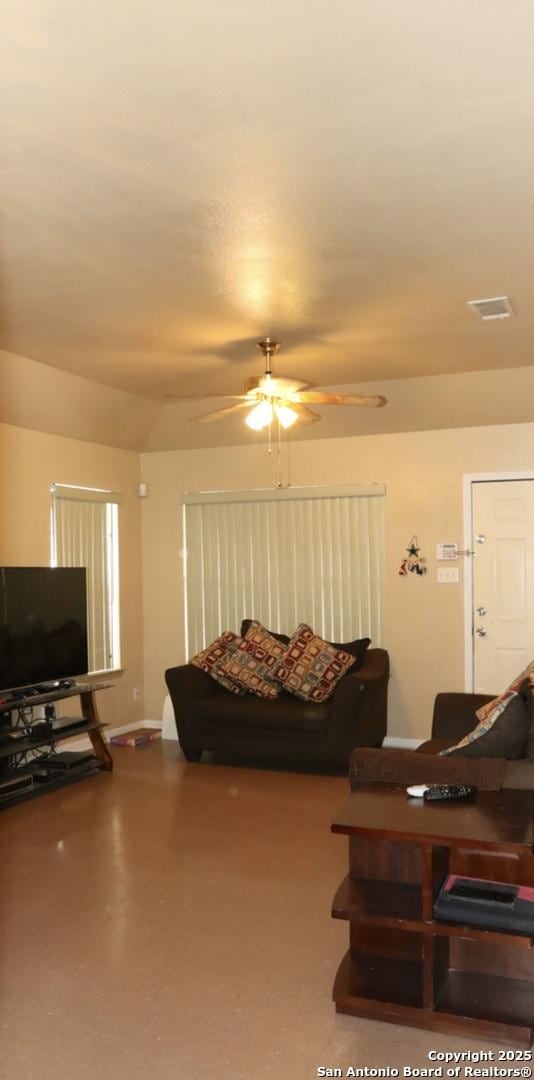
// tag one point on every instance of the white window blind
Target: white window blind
(285, 557)
(85, 533)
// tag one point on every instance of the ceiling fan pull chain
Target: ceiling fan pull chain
(279, 454)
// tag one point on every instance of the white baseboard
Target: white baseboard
(402, 744)
(391, 741)
(84, 742)
(133, 727)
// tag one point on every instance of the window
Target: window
(85, 532)
(312, 555)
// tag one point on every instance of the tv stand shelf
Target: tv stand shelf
(26, 701)
(403, 965)
(11, 752)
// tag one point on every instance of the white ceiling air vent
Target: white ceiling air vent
(497, 307)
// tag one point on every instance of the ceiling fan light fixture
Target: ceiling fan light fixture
(285, 399)
(260, 416)
(285, 414)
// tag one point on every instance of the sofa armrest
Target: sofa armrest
(454, 714)
(395, 766)
(358, 708)
(375, 666)
(188, 684)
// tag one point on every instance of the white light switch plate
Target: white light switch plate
(449, 575)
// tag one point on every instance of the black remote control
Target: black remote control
(438, 792)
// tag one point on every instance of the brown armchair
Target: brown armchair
(208, 717)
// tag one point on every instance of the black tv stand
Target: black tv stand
(11, 750)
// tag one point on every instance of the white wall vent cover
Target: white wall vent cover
(496, 307)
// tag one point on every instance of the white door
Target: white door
(503, 581)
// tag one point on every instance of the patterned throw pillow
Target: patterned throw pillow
(252, 664)
(272, 647)
(486, 709)
(502, 733)
(211, 658)
(311, 668)
(247, 623)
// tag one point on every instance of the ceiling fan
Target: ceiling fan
(275, 397)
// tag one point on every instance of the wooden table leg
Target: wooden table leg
(100, 746)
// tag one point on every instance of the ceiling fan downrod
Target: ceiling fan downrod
(268, 347)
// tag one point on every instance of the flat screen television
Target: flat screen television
(43, 625)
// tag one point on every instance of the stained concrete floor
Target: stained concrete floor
(172, 921)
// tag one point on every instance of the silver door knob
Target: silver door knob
(481, 610)
(482, 631)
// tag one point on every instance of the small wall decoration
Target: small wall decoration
(413, 562)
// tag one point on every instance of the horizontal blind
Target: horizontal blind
(81, 534)
(285, 558)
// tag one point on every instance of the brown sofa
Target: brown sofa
(208, 717)
(453, 717)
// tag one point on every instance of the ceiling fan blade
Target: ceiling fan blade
(306, 416)
(274, 385)
(321, 397)
(176, 398)
(205, 417)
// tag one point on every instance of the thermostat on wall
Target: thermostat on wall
(447, 551)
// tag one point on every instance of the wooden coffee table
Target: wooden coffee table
(402, 965)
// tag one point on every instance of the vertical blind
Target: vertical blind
(83, 534)
(285, 557)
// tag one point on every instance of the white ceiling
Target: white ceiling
(179, 179)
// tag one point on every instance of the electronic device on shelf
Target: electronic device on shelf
(67, 760)
(486, 903)
(43, 629)
(39, 772)
(42, 729)
(66, 723)
(14, 780)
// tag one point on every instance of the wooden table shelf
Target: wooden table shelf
(397, 904)
(379, 979)
(403, 965)
(501, 1003)
(384, 903)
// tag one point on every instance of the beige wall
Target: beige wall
(29, 462)
(424, 475)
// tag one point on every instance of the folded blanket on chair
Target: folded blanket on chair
(407, 767)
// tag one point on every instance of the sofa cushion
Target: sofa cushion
(435, 746)
(502, 733)
(311, 667)
(286, 714)
(210, 659)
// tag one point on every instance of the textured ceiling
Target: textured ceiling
(179, 179)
